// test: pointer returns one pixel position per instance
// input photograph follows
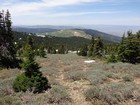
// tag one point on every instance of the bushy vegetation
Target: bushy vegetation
(112, 93)
(129, 50)
(32, 79)
(112, 58)
(57, 95)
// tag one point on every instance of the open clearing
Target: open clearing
(75, 82)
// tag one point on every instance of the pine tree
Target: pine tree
(98, 47)
(61, 50)
(83, 50)
(129, 49)
(91, 47)
(36, 82)
(42, 52)
(7, 48)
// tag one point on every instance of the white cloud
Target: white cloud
(22, 8)
(82, 13)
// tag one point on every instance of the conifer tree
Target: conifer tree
(98, 47)
(129, 49)
(83, 50)
(61, 50)
(42, 52)
(36, 82)
(7, 48)
(91, 47)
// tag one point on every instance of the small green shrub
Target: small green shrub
(21, 83)
(112, 58)
(35, 83)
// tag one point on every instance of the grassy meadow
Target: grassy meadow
(74, 82)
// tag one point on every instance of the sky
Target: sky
(73, 12)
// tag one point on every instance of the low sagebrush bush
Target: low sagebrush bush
(128, 78)
(9, 100)
(112, 93)
(74, 75)
(57, 94)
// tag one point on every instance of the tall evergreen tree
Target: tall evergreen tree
(61, 50)
(83, 50)
(7, 48)
(32, 79)
(91, 47)
(42, 52)
(98, 47)
(129, 49)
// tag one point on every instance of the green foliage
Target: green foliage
(21, 83)
(7, 48)
(129, 49)
(36, 82)
(42, 52)
(95, 48)
(83, 50)
(98, 47)
(112, 58)
(61, 50)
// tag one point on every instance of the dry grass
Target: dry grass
(73, 82)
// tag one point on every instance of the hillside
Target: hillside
(70, 33)
(67, 32)
(72, 43)
(85, 33)
(105, 36)
(33, 30)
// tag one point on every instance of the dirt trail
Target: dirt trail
(75, 89)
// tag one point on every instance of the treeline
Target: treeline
(128, 50)
(51, 42)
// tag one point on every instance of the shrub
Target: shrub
(128, 78)
(112, 59)
(57, 94)
(9, 100)
(74, 75)
(21, 83)
(36, 83)
(112, 93)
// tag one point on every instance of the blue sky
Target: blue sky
(73, 12)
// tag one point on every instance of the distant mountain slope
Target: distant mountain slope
(70, 33)
(105, 36)
(33, 30)
(83, 33)
(72, 43)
